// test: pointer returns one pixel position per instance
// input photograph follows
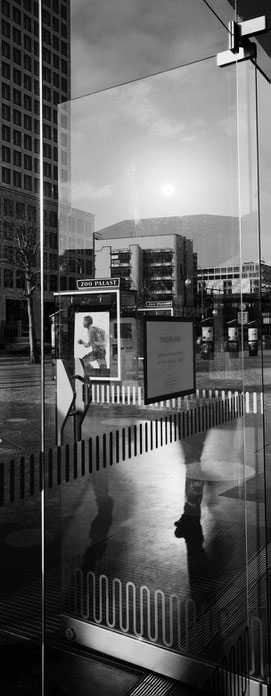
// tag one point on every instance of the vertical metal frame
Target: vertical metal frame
(42, 373)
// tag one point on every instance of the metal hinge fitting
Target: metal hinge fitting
(240, 48)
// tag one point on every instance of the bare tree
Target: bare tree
(22, 244)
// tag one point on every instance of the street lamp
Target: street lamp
(188, 298)
(208, 314)
(210, 294)
(96, 235)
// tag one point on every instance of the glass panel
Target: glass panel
(20, 362)
(264, 111)
(160, 540)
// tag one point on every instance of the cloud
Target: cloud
(154, 104)
(145, 104)
(116, 42)
(83, 190)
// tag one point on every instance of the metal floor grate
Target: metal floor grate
(20, 617)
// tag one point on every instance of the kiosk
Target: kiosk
(86, 347)
(252, 338)
(207, 338)
(233, 338)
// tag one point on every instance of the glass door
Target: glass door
(164, 515)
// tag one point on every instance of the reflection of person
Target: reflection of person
(213, 455)
(96, 341)
(188, 525)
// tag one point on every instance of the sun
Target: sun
(168, 190)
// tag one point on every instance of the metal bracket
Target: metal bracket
(240, 47)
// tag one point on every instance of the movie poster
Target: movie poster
(91, 342)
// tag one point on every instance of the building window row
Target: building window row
(58, 62)
(53, 22)
(26, 80)
(16, 279)
(28, 122)
(27, 182)
(28, 142)
(21, 209)
(28, 6)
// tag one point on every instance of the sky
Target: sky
(165, 145)
(121, 40)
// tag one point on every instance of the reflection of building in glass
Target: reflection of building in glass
(236, 279)
(76, 238)
(240, 293)
(215, 237)
(169, 252)
(19, 136)
(156, 266)
(76, 227)
(152, 271)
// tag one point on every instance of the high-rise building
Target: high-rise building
(20, 132)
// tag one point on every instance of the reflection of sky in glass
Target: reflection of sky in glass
(167, 145)
(157, 147)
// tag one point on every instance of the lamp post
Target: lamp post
(65, 265)
(187, 305)
(208, 315)
(65, 268)
(96, 235)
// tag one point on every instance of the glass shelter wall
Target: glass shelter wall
(135, 264)
(166, 543)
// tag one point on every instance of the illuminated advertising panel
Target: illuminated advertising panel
(169, 358)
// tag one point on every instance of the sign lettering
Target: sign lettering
(154, 303)
(98, 283)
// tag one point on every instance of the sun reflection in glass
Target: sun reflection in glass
(168, 190)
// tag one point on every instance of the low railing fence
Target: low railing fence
(134, 396)
(62, 464)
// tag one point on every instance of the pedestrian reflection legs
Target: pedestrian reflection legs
(188, 526)
(100, 525)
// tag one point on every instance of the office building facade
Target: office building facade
(20, 144)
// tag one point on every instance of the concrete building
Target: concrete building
(215, 237)
(155, 264)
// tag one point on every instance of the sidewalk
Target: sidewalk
(20, 403)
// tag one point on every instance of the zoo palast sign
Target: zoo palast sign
(96, 283)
